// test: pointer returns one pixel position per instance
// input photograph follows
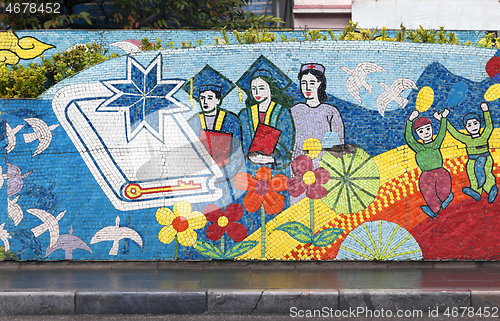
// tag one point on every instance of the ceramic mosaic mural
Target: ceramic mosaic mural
(327, 150)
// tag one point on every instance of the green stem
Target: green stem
(222, 243)
(262, 232)
(175, 249)
(311, 211)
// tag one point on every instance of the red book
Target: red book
(265, 139)
(218, 145)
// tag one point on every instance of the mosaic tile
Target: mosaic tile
(326, 150)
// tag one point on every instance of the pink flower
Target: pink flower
(307, 180)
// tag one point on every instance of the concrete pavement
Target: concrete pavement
(248, 288)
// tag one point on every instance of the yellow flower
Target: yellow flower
(181, 223)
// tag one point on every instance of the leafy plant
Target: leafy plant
(184, 44)
(488, 41)
(352, 32)
(332, 35)
(254, 35)
(69, 62)
(442, 38)
(401, 35)
(208, 249)
(147, 46)
(303, 234)
(383, 36)
(30, 81)
(22, 81)
(201, 14)
(313, 35)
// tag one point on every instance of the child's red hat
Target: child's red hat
(421, 122)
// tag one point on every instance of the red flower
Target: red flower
(262, 190)
(225, 222)
(307, 180)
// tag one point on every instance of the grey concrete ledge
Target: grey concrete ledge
(141, 302)
(485, 298)
(32, 303)
(243, 302)
(404, 299)
(255, 302)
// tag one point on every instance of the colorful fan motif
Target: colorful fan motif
(379, 240)
(354, 181)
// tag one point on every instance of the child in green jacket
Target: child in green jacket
(480, 163)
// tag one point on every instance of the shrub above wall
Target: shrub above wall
(117, 162)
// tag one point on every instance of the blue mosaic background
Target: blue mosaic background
(61, 181)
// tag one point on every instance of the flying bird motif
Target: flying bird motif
(50, 223)
(5, 236)
(358, 78)
(116, 233)
(129, 46)
(11, 137)
(15, 211)
(28, 241)
(43, 198)
(15, 179)
(125, 248)
(393, 93)
(68, 243)
(42, 132)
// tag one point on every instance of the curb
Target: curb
(241, 302)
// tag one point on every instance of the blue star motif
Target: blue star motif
(144, 97)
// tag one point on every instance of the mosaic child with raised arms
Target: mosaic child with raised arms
(435, 180)
(480, 163)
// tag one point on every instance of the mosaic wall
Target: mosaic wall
(275, 151)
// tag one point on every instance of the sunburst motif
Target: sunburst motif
(379, 240)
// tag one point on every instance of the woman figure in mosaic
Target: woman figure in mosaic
(480, 162)
(435, 180)
(267, 126)
(315, 118)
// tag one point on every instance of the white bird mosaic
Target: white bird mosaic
(116, 233)
(50, 223)
(11, 137)
(358, 78)
(68, 243)
(42, 132)
(5, 236)
(129, 46)
(393, 93)
(15, 211)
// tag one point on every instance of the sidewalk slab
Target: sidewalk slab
(255, 302)
(141, 302)
(33, 303)
(403, 299)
